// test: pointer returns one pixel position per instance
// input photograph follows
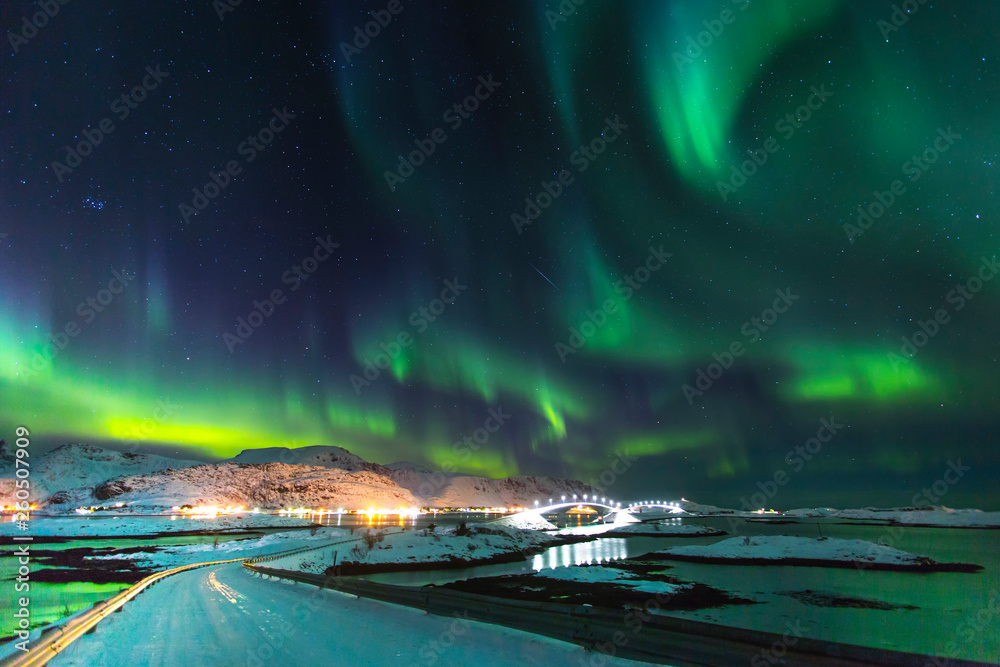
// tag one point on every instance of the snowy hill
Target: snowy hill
(319, 455)
(73, 466)
(266, 485)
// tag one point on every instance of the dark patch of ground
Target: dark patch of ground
(818, 599)
(924, 565)
(73, 565)
(544, 589)
(89, 575)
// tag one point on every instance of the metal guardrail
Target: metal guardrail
(627, 633)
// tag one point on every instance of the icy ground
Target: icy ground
(781, 546)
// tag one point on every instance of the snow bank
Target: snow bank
(525, 521)
(927, 516)
(659, 529)
(423, 547)
(781, 548)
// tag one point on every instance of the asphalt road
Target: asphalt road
(224, 615)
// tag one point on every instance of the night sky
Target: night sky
(610, 209)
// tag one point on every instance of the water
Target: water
(53, 601)
(957, 615)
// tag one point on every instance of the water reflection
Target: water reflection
(598, 551)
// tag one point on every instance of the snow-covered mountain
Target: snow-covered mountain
(319, 455)
(75, 466)
(269, 478)
(263, 485)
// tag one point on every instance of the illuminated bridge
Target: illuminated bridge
(612, 506)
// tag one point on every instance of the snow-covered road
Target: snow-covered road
(224, 615)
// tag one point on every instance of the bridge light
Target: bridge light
(564, 497)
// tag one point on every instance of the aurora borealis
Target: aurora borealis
(844, 152)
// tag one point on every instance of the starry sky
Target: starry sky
(719, 243)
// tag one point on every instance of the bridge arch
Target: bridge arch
(575, 503)
(673, 507)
